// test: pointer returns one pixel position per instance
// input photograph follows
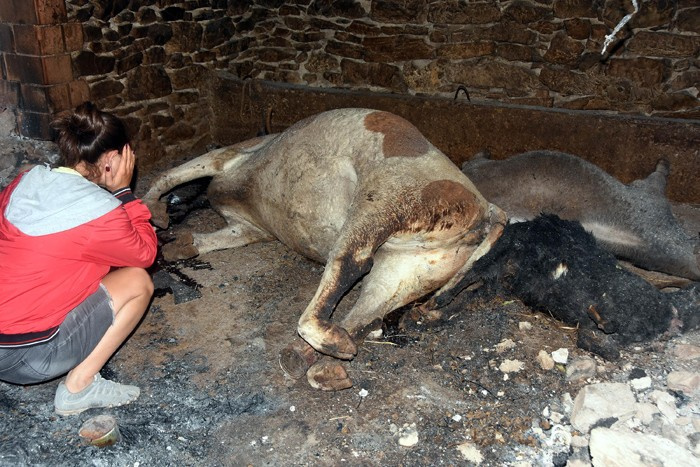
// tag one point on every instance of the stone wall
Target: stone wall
(149, 60)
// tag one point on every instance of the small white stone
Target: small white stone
(504, 345)
(511, 366)
(546, 362)
(524, 325)
(363, 393)
(640, 384)
(561, 356)
(292, 408)
(457, 418)
(556, 417)
(376, 334)
(408, 435)
(470, 452)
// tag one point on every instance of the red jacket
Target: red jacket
(59, 236)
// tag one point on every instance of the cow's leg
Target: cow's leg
(236, 234)
(398, 277)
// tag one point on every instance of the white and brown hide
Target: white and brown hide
(360, 190)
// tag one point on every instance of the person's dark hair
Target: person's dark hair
(87, 133)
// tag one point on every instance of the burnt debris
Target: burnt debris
(555, 266)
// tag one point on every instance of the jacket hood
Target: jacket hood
(46, 202)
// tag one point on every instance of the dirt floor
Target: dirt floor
(426, 392)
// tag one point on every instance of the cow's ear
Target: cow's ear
(655, 183)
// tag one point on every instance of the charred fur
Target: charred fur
(555, 266)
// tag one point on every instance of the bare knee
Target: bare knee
(129, 285)
(142, 281)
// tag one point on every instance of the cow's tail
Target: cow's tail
(206, 165)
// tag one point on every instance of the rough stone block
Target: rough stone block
(657, 44)
(34, 97)
(87, 64)
(575, 8)
(57, 69)
(73, 36)
(18, 12)
(34, 124)
(149, 82)
(609, 447)
(455, 12)
(79, 92)
(396, 49)
(9, 93)
(50, 11)
(58, 98)
(596, 402)
(644, 71)
(6, 38)
(24, 68)
(397, 11)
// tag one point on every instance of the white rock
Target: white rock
(686, 351)
(666, 404)
(511, 366)
(596, 402)
(470, 452)
(579, 441)
(577, 463)
(546, 362)
(645, 412)
(612, 448)
(696, 423)
(556, 417)
(561, 356)
(408, 435)
(640, 384)
(684, 381)
(567, 402)
(581, 369)
(504, 345)
(524, 325)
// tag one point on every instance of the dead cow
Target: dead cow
(633, 221)
(360, 190)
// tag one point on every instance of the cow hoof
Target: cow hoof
(296, 359)
(329, 339)
(180, 248)
(159, 214)
(328, 375)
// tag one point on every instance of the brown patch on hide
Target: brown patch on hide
(449, 204)
(401, 138)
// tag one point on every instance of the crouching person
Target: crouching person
(74, 242)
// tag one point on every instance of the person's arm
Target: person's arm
(123, 237)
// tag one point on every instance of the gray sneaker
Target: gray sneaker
(100, 393)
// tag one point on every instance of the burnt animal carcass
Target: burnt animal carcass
(554, 265)
(363, 192)
(633, 221)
